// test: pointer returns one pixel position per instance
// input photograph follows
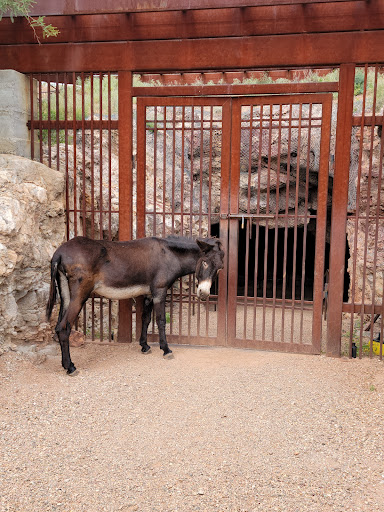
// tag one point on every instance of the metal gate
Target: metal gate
(182, 189)
(253, 171)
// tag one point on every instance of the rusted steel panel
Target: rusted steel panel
(71, 7)
(339, 209)
(235, 90)
(230, 22)
(205, 54)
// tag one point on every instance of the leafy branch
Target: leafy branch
(15, 8)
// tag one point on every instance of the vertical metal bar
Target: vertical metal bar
(226, 138)
(66, 153)
(207, 308)
(126, 184)
(357, 212)
(101, 200)
(101, 203)
(32, 103)
(200, 199)
(41, 119)
(164, 166)
(201, 169)
(57, 123)
(305, 230)
(296, 222)
(182, 170)
(84, 212)
(109, 190)
(154, 233)
(92, 212)
(92, 160)
(286, 222)
(276, 224)
(266, 232)
(257, 238)
(233, 223)
(191, 215)
(74, 153)
(339, 208)
(173, 121)
(173, 168)
(182, 210)
(109, 156)
(249, 224)
(49, 121)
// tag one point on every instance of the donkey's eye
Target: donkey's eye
(204, 264)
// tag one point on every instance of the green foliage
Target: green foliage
(15, 8)
(359, 81)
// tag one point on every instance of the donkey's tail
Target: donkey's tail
(53, 289)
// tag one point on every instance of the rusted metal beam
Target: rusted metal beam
(230, 22)
(365, 309)
(235, 90)
(339, 209)
(125, 188)
(203, 54)
(56, 7)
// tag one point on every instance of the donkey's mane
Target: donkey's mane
(181, 243)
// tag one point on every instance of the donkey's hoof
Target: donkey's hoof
(168, 355)
(146, 351)
(72, 371)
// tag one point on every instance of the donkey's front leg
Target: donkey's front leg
(159, 305)
(145, 321)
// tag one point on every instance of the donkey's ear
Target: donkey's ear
(205, 245)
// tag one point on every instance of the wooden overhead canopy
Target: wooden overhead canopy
(198, 35)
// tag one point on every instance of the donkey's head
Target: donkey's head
(211, 260)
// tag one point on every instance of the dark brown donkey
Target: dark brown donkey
(122, 270)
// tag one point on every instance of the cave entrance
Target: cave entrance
(276, 265)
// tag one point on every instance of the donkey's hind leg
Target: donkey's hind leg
(159, 307)
(145, 321)
(63, 331)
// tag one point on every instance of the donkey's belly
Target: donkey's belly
(121, 293)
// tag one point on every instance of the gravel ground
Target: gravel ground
(212, 430)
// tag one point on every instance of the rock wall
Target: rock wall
(32, 226)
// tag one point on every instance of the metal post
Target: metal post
(339, 209)
(125, 188)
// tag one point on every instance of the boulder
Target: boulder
(32, 226)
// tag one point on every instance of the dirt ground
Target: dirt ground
(215, 429)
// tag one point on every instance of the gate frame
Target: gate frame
(238, 92)
(321, 220)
